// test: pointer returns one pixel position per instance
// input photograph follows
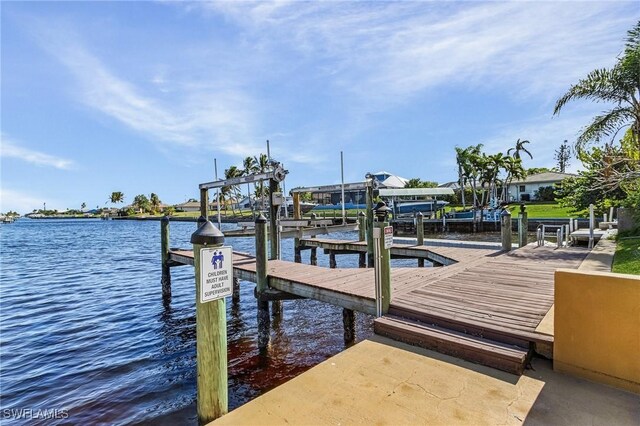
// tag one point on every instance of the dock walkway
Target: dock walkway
(442, 255)
(484, 307)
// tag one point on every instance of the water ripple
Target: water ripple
(83, 326)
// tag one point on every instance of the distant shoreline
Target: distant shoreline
(153, 218)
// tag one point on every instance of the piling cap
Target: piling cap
(207, 235)
(165, 218)
(505, 212)
(261, 218)
(419, 214)
(361, 214)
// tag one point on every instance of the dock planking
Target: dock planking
(498, 297)
(440, 255)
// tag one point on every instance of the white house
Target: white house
(525, 189)
(188, 206)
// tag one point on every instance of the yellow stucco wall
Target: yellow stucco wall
(597, 327)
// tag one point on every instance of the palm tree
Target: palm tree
(262, 163)
(471, 166)
(141, 202)
(83, 206)
(249, 166)
(116, 197)
(519, 148)
(513, 167)
(155, 202)
(232, 191)
(461, 159)
(619, 86)
(493, 164)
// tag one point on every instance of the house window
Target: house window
(522, 188)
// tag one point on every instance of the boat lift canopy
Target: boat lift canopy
(414, 192)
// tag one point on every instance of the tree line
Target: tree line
(489, 175)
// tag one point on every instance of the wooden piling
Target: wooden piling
(332, 260)
(523, 228)
(297, 212)
(369, 222)
(262, 282)
(211, 337)
(362, 236)
(235, 297)
(166, 270)
(313, 257)
(297, 252)
(420, 234)
(349, 323)
(274, 233)
(385, 269)
(505, 229)
(204, 204)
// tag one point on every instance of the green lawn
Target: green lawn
(549, 210)
(627, 257)
(543, 210)
(535, 210)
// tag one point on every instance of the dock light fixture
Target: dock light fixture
(381, 210)
(207, 234)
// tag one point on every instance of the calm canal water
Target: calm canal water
(83, 327)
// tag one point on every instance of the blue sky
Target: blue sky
(140, 97)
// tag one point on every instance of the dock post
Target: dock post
(262, 282)
(420, 234)
(523, 227)
(505, 225)
(384, 264)
(235, 297)
(274, 228)
(274, 235)
(349, 323)
(313, 257)
(211, 336)
(296, 206)
(297, 253)
(369, 201)
(332, 260)
(166, 270)
(362, 236)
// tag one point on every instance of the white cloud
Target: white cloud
(202, 116)
(21, 202)
(9, 149)
(389, 51)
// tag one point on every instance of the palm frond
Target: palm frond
(605, 125)
(601, 85)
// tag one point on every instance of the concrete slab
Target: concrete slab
(546, 325)
(601, 257)
(380, 381)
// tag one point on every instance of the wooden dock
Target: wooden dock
(484, 307)
(440, 256)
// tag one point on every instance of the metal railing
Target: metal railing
(560, 234)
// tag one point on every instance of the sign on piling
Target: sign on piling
(216, 273)
(388, 237)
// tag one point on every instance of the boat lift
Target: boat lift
(276, 175)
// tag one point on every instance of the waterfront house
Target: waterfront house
(525, 189)
(330, 196)
(188, 206)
